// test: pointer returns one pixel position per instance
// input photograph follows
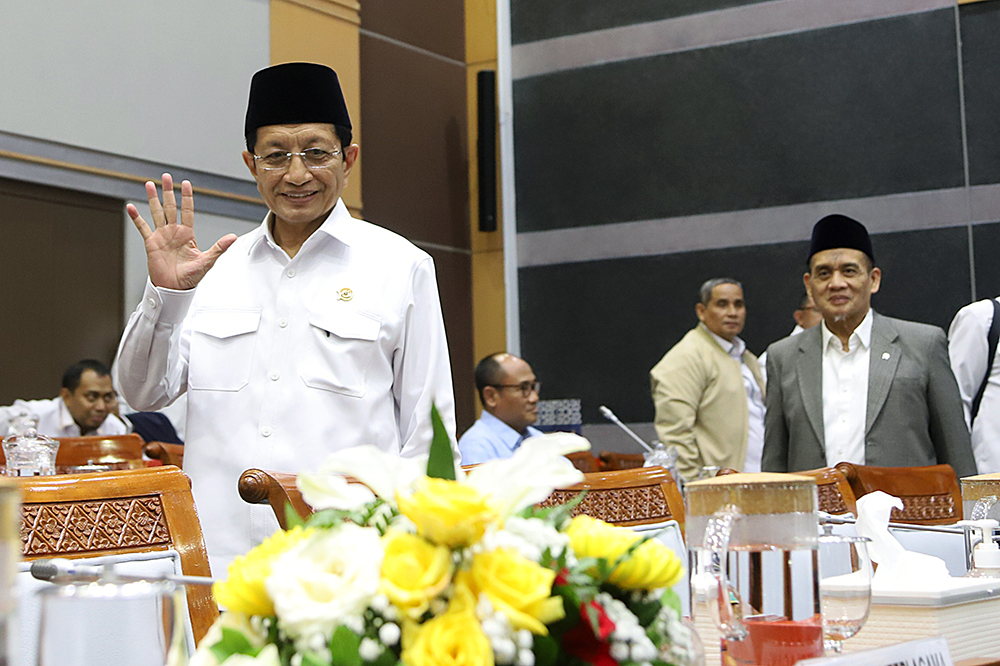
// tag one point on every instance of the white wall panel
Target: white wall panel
(165, 82)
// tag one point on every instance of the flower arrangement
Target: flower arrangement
(424, 565)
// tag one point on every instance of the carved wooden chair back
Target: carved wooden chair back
(834, 491)
(931, 495)
(165, 452)
(625, 497)
(612, 460)
(259, 486)
(584, 461)
(118, 512)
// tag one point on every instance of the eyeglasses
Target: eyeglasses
(313, 158)
(525, 387)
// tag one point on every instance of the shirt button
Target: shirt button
(265, 431)
(290, 272)
(282, 322)
(274, 376)
(152, 303)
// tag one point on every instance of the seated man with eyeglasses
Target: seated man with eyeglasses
(313, 333)
(509, 391)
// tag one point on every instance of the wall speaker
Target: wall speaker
(486, 148)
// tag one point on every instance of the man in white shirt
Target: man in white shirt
(313, 333)
(707, 390)
(971, 363)
(861, 387)
(84, 406)
(508, 389)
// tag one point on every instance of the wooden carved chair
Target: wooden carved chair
(119, 512)
(168, 454)
(931, 495)
(258, 486)
(96, 453)
(835, 494)
(612, 460)
(584, 461)
(625, 497)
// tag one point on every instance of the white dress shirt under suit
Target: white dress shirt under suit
(755, 402)
(54, 420)
(967, 349)
(286, 360)
(845, 393)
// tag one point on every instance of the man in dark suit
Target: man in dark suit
(860, 387)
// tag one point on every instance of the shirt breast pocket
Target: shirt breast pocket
(222, 349)
(340, 349)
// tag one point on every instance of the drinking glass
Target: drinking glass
(101, 623)
(845, 587)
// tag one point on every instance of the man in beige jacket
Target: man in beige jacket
(708, 390)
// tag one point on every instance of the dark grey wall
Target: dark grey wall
(862, 116)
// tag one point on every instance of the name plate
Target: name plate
(924, 652)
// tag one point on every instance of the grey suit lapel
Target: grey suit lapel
(809, 369)
(881, 366)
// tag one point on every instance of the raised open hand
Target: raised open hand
(173, 257)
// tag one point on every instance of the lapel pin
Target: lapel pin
(885, 356)
(345, 294)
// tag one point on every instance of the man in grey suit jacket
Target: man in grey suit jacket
(860, 387)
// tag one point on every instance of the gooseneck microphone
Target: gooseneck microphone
(59, 568)
(609, 415)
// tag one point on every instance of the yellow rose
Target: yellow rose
(652, 565)
(455, 638)
(414, 571)
(446, 512)
(244, 592)
(518, 588)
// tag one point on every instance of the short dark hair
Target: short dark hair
(71, 378)
(489, 372)
(705, 293)
(343, 133)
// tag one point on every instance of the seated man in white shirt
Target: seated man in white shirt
(508, 390)
(83, 406)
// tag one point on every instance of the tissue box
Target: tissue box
(967, 617)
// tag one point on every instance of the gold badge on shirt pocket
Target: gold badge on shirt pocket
(345, 294)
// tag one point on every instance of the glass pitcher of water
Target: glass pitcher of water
(752, 545)
(27, 452)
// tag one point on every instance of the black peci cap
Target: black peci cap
(835, 231)
(295, 92)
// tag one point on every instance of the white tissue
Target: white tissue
(898, 568)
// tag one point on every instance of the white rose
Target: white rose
(325, 581)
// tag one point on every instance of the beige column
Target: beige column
(325, 31)
(487, 248)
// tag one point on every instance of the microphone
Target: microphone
(61, 568)
(609, 415)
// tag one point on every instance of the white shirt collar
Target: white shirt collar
(734, 348)
(334, 226)
(862, 334)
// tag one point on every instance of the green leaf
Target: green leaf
(556, 515)
(344, 648)
(546, 651)
(441, 461)
(292, 517)
(671, 599)
(387, 658)
(233, 642)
